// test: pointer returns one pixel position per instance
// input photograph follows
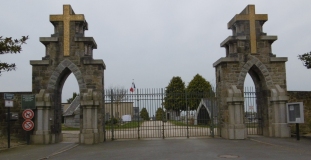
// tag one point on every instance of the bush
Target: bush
(113, 121)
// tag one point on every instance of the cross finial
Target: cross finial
(67, 16)
(248, 14)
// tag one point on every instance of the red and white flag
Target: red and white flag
(132, 89)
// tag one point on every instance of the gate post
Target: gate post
(89, 133)
(279, 126)
(234, 127)
(42, 133)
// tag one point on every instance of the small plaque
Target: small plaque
(8, 103)
(28, 101)
(8, 96)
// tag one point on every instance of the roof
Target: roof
(75, 104)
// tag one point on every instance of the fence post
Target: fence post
(163, 113)
(112, 117)
(187, 111)
(212, 113)
(138, 113)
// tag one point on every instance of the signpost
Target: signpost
(8, 98)
(28, 101)
(28, 124)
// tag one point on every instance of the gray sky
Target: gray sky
(153, 40)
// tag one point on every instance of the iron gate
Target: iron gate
(148, 113)
(253, 113)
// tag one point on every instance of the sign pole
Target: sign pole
(297, 131)
(9, 116)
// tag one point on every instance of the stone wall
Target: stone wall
(16, 125)
(305, 97)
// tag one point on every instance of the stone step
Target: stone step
(69, 137)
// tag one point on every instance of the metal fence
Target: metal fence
(253, 117)
(157, 113)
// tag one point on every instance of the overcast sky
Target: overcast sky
(151, 41)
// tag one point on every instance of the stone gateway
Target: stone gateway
(248, 50)
(68, 51)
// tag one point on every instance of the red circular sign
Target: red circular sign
(28, 125)
(28, 114)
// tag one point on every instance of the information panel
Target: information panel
(28, 101)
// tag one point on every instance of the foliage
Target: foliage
(112, 120)
(175, 95)
(306, 59)
(144, 114)
(74, 95)
(197, 89)
(9, 45)
(160, 114)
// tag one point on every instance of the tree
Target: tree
(197, 89)
(306, 59)
(159, 114)
(144, 114)
(116, 94)
(74, 95)
(9, 45)
(175, 95)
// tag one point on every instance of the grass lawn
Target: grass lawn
(126, 125)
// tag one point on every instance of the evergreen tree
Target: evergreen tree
(175, 95)
(144, 114)
(197, 89)
(306, 59)
(159, 114)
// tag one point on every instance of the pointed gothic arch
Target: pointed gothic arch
(68, 52)
(248, 50)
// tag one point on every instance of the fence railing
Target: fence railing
(158, 113)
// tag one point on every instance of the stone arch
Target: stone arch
(53, 81)
(253, 61)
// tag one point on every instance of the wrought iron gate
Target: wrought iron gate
(146, 114)
(253, 112)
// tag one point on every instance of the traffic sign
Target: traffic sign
(28, 125)
(8, 96)
(8, 103)
(28, 114)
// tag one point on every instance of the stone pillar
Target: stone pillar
(235, 127)
(89, 131)
(279, 126)
(42, 133)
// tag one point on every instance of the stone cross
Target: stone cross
(248, 14)
(67, 16)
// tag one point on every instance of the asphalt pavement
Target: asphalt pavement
(255, 147)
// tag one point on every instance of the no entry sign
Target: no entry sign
(28, 125)
(28, 114)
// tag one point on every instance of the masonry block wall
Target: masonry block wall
(16, 125)
(305, 97)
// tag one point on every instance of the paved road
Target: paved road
(182, 149)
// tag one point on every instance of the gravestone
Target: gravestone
(248, 50)
(68, 51)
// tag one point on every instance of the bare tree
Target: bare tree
(116, 94)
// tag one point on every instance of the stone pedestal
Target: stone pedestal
(42, 133)
(90, 133)
(234, 127)
(279, 126)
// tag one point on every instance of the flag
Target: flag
(132, 89)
